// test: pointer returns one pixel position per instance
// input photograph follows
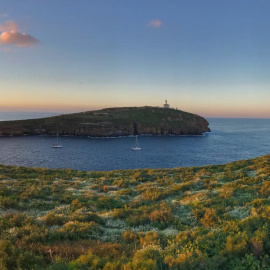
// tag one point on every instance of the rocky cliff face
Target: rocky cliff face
(111, 122)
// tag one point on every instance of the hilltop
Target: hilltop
(112, 122)
(211, 217)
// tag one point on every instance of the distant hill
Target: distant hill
(111, 122)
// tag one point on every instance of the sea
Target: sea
(230, 139)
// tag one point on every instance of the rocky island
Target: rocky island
(110, 122)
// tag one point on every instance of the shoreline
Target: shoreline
(140, 169)
(109, 137)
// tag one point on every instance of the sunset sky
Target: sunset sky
(208, 57)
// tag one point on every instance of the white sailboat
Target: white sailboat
(136, 147)
(57, 144)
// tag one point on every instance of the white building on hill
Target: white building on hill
(166, 105)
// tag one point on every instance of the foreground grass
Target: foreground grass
(213, 217)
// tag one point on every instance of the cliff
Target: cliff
(111, 122)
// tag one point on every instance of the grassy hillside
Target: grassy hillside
(212, 217)
(111, 122)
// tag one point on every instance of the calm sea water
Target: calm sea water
(230, 140)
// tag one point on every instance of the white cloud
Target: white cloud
(3, 15)
(11, 36)
(156, 23)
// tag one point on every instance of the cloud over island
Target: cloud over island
(11, 36)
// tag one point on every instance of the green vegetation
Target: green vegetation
(212, 217)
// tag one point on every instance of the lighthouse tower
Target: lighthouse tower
(166, 105)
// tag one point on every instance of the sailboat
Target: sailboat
(57, 144)
(136, 147)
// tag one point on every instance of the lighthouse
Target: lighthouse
(166, 105)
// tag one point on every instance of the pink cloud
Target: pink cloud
(11, 36)
(8, 27)
(155, 23)
(17, 39)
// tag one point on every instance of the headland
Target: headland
(110, 122)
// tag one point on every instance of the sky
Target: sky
(208, 57)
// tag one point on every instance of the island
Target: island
(111, 122)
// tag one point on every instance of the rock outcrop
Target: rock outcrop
(111, 122)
